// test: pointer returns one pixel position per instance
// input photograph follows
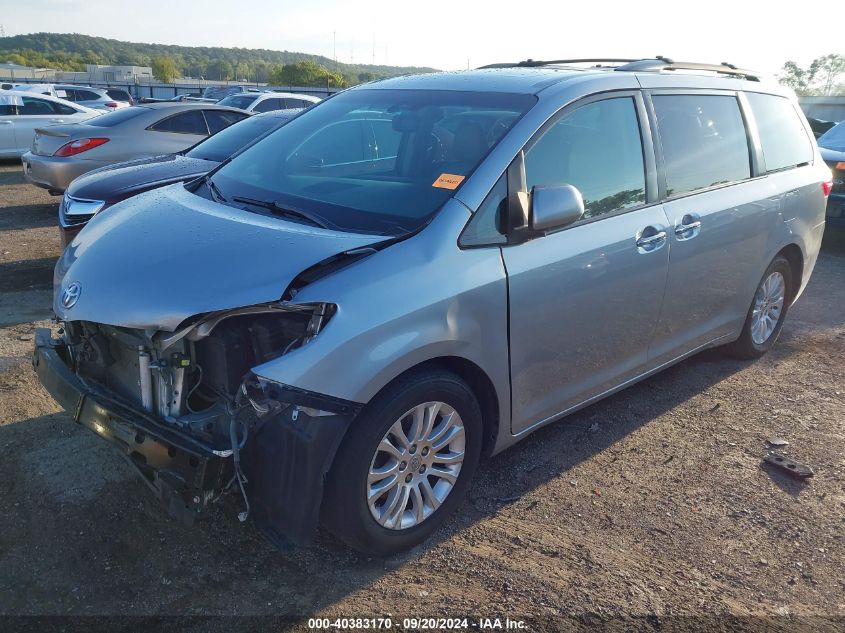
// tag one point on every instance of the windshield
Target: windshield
(834, 137)
(370, 160)
(238, 101)
(229, 140)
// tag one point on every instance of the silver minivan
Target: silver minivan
(335, 325)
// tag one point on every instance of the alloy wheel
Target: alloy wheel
(415, 465)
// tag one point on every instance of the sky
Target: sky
(452, 35)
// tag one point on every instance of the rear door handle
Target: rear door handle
(688, 228)
(650, 239)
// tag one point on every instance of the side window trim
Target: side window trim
(752, 136)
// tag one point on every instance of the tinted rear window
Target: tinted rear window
(119, 95)
(110, 119)
(783, 137)
(703, 139)
(86, 95)
(238, 101)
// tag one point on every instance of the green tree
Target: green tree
(795, 77)
(219, 69)
(164, 69)
(822, 77)
(828, 69)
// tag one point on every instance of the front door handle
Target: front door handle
(650, 239)
(688, 228)
(5, 122)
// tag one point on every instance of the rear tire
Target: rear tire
(386, 493)
(767, 312)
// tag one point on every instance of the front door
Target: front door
(584, 301)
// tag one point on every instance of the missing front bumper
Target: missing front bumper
(182, 472)
(286, 457)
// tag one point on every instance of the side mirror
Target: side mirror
(554, 207)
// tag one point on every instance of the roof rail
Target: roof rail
(664, 63)
(531, 63)
(656, 64)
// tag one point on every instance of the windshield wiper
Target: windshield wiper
(278, 209)
(215, 190)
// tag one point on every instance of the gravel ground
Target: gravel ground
(652, 503)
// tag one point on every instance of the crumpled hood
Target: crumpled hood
(116, 182)
(165, 255)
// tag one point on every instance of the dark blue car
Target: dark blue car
(832, 146)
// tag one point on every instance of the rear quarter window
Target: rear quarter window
(784, 139)
(703, 139)
(190, 122)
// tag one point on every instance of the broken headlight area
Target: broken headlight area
(198, 380)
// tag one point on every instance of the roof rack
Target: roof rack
(531, 63)
(664, 63)
(655, 64)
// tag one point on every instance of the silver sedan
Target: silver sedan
(60, 153)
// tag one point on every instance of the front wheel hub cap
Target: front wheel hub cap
(397, 502)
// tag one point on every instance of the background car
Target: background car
(832, 148)
(121, 96)
(22, 112)
(218, 92)
(96, 98)
(267, 101)
(61, 153)
(96, 191)
(819, 126)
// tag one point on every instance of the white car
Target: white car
(267, 101)
(22, 112)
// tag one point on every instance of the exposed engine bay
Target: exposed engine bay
(198, 382)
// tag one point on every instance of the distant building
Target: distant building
(93, 73)
(8, 70)
(98, 72)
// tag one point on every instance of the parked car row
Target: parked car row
(98, 190)
(61, 153)
(21, 113)
(105, 99)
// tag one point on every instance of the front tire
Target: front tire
(405, 465)
(767, 312)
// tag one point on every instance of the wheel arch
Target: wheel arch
(479, 382)
(795, 257)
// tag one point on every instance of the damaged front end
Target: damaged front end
(198, 425)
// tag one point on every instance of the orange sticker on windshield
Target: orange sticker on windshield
(447, 181)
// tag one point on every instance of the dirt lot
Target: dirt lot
(651, 503)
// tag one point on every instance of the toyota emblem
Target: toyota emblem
(70, 295)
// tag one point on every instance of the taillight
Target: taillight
(110, 104)
(827, 187)
(79, 146)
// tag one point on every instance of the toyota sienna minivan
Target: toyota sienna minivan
(335, 325)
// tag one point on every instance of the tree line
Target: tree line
(824, 76)
(72, 51)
